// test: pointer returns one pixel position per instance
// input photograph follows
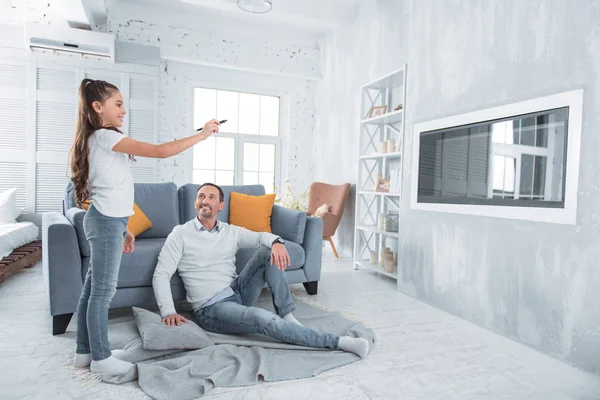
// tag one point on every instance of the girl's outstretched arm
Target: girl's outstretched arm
(165, 150)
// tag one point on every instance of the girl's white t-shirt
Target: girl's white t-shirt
(110, 181)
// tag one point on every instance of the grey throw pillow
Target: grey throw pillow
(158, 336)
(288, 224)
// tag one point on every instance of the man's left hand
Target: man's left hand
(280, 256)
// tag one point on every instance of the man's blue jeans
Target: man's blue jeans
(106, 236)
(235, 314)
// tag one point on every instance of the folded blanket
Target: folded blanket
(233, 360)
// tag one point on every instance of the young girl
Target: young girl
(100, 159)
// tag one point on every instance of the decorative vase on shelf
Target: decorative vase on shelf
(381, 222)
(388, 263)
(391, 146)
(373, 258)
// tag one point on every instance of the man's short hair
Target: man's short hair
(221, 194)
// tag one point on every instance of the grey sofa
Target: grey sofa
(66, 252)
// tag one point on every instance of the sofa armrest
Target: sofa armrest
(313, 248)
(61, 263)
(288, 224)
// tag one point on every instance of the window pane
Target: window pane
(250, 178)
(205, 106)
(509, 175)
(224, 178)
(513, 133)
(539, 179)
(528, 131)
(225, 153)
(250, 156)
(227, 108)
(249, 113)
(267, 158)
(201, 176)
(526, 186)
(267, 179)
(541, 134)
(204, 154)
(269, 116)
(499, 173)
(217, 158)
(499, 132)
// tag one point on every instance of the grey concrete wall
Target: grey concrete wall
(537, 283)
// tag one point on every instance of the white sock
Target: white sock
(111, 365)
(358, 346)
(290, 318)
(82, 360)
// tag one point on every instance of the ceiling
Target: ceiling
(312, 15)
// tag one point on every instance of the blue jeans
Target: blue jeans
(235, 314)
(106, 236)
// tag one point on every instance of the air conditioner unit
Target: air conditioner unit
(69, 40)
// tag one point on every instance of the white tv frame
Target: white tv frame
(568, 214)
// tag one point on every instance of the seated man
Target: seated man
(203, 252)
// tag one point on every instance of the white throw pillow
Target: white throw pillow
(8, 207)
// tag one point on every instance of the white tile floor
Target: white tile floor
(421, 353)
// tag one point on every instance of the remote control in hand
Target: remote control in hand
(220, 122)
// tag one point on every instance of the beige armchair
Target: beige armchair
(335, 197)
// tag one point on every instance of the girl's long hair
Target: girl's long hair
(88, 122)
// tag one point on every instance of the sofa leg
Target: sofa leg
(60, 323)
(311, 287)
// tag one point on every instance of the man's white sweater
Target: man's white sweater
(205, 261)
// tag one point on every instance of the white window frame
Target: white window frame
(568, 214)
(242, 138)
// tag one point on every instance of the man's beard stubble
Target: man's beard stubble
(207, 213)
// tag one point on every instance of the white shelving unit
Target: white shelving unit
(389, 90)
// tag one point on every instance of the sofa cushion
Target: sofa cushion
(159, 202)
(251, 212)
(187, 197)
(137, 268)
(296, 252)
(69, 197)
(75, 216)
(288, 224)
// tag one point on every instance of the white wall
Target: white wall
(17, 12)
(534, 282)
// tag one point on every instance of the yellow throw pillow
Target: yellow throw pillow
(138, 222)
(251, 212)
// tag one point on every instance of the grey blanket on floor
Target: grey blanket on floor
(234, 360)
